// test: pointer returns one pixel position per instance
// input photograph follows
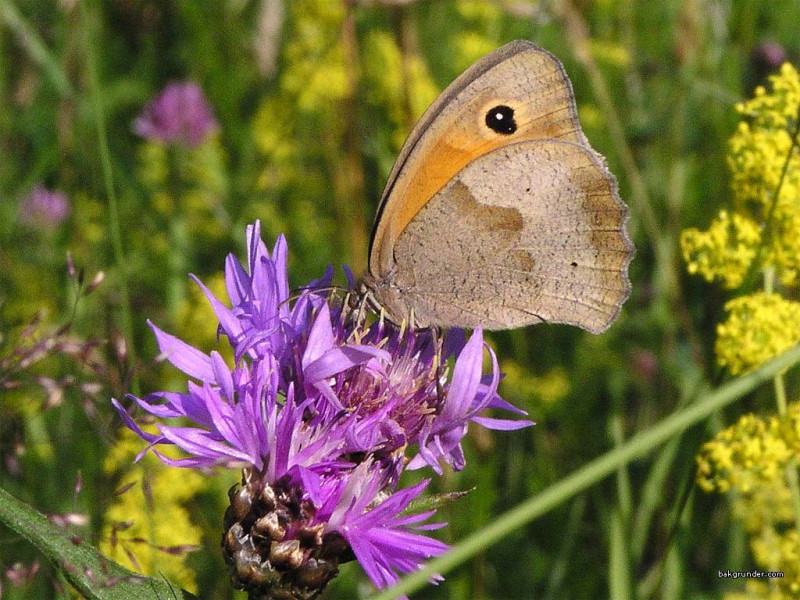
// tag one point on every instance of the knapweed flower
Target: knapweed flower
(44, 209)
(323, 412)
(765, 57)
(180, 114)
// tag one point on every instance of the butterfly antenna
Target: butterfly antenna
(297, 292)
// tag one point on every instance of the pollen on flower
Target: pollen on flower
(759, 327)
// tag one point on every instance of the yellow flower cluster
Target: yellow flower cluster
(752, 453)
(759, 327)
(725, 251)
(759, 149)
(762, 233)
(775, 109)
(764, 161)
(750, 459)
(133, 534)
(754, 459)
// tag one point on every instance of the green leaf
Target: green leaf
(91, 573)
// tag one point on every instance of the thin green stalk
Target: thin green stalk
(619, 565)
(624, 491)
(569, 537)
(780, 394)
(619, 551)
(769, 220)
(115, 231)
(652, 494)
(35, 47)
(597, 470)
(178, 260)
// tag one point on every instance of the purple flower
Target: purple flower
(180, 114)
(45, 209)
(321, 410)
(377, 533)
(766, 57)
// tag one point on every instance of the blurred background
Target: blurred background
(302, 106)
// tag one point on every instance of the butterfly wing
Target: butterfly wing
(454, 131)
(526, 233)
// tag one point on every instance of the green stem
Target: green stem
(115, 231)
(780, 394)
(35, 47)
(794, 488)
(641, 444)
(178, 260)
(769, 219)
(768, 222)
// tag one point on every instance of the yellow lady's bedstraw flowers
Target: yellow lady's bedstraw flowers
(756, 460)
(762, 232)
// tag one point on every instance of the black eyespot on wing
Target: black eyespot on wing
(573, 264)
(500, 119)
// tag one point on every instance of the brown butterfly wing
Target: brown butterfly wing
(526, 233)
(453, 132)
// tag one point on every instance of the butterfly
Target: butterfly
(498, 213)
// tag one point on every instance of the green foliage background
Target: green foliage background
(314, 98)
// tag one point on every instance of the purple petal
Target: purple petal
(466, 376)
(131, 424)
(185, 357)
(502, 424)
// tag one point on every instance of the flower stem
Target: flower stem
(769, 219)
(35, 47)
(115, 232)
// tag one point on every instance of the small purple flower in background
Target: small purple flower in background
(766, 57)
(45, 209)
(321, 411)
(180, 114)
